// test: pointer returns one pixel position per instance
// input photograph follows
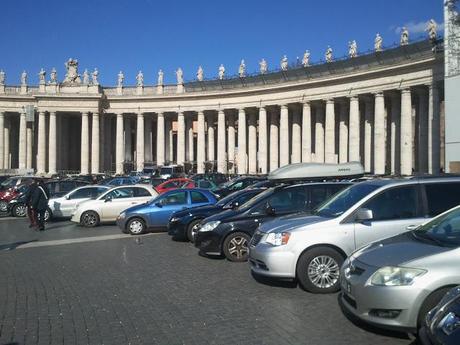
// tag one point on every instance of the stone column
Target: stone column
(6, 143)
(231, 141)
(29, 139)
(52, 144)
(41, 150)
(423, 150)
(319, 134)
(84, 144)
(330, 132)
(368, 124)
(379, 134)
(95, 140)
(263, 147)
(191, 155)
(170, 141)
(406, 132)
(128, 139)
(354, 130)
(140, 142)
(201, 144)
(221, 159)
(22, 141)
(148, 138)
(180, 138)
(103, 143)
(434, 134)
(343, 134)
(242, 166)
(119, 146)
(160, 139)
(274, 134)
(284, 135)
(252, 144)
(306, 132)
(211, 138)
(296, 137)
(2, 139)
(395, 134)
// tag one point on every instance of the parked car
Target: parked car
(183, 224)
(217, 178)
(155, 181)
(229, 232)
(10, 189)
(236, 184)
(442, 324)
(59, 188)
(108, 205)
(15, 181)
(155, 214)
(312, 248)
(171, 184)
(203, 184)
(172, 171)
(16, 194)
(119, 181)
(395, 282)
(63, 207)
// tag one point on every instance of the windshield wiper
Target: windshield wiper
(425, 236)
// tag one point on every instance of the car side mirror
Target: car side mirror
(108, 199)
(269, 210)
(159, 204)
(363, 215)
(67, 197)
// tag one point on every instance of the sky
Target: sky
(133, 35)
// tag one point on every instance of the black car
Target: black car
(217, 178)
(442, 324)
(182, 223)
(236, 184)
(229, 232)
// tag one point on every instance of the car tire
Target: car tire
(3, 206)
(429, 303)
(89, 219)
(136, 226)
(189, 234)
(236, 247)
(19, 210)
(318, 270)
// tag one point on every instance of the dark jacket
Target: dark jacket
(30, 193)
(40, 198)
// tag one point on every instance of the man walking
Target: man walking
(31, 212)
(40, 203)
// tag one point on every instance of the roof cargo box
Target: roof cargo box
(317, 171)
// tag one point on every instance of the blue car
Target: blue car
(155, 214)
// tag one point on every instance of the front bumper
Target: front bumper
(276, 262)
(121, 223)
(177, 230)
(209, 242)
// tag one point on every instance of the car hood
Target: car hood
(137, 208)
(224, 215)
(397, 250)
(290, 222)
(197, 209)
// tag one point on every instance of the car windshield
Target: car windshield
(443, 230)
(222, 202)
(166, 171)
(253, 201)
(9, 182)
(342, 201)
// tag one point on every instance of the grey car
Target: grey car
(395, 282)
(312, 248)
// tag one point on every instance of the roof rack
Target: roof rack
(317, 171)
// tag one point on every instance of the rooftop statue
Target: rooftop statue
(328, 54)
(140, 79)
(242, 69)
(86, 77)
(352, 49)
(94, 76)
(432, 29)
(160, 77)
(72, 77)
(306, 59)
(221, 72)
(284, 63)
(121, 78)
(404, 36)
(378, 43)
(263, 66)
(180, 76)
(2, 77)
(53, 76)
(200, 74)
(41, 76)
(24, 78)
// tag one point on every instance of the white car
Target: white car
(110, 204)
(66, 205)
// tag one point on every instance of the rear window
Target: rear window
(441, 197)
(141, 192)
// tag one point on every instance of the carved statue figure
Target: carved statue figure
(352, 49)
(263, 67)
(242, 69)
(404, 36)
(72, 77)
(2, 77)
(328, 54)
(121, 78)
(24, 78)
(53, 76)
(86, 77)
(378, 43)
(221, 72)
(200, 74)
(306, 58)
(284, 63)
(160, 77)
(41, 76)
(180, 76)
(94, 76)
(432, 29)
(140, 79)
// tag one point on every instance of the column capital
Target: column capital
(329, 100)
(353, 97)
(378, 94)
(283, 106)
(405, 90)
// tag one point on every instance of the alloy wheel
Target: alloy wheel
(238, 247)
(323, 271)
(3, 206)
(20, 211)
(89, 219)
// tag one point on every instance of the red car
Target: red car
(173, 183)
(9, 194)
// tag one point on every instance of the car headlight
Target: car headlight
(209, 226)
(278, 238)
(122, 215)
(395, 276)
(174, 219)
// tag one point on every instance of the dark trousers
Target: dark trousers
(41, 219)
(32, 214)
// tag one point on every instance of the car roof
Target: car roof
(317, 170)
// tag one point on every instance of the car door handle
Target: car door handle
(411, 227)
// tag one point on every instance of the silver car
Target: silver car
(312, 248)
(393, 283)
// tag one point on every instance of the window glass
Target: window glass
(441, 197)
(141, 192)
(395, 203)
(289, 200)
(443, 230)
(317, 195)
(66, 186)
(198, 197)
(121, 193)
(204, 184)
(245, 197)
(238, 185)
(170, 184)
(176, 198)
(81, 193)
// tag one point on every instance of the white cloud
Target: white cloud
(416, 27)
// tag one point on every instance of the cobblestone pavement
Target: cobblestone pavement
(151, 290)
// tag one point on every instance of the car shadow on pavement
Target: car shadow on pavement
(290, 284)
(14, 245)
(372, 329)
